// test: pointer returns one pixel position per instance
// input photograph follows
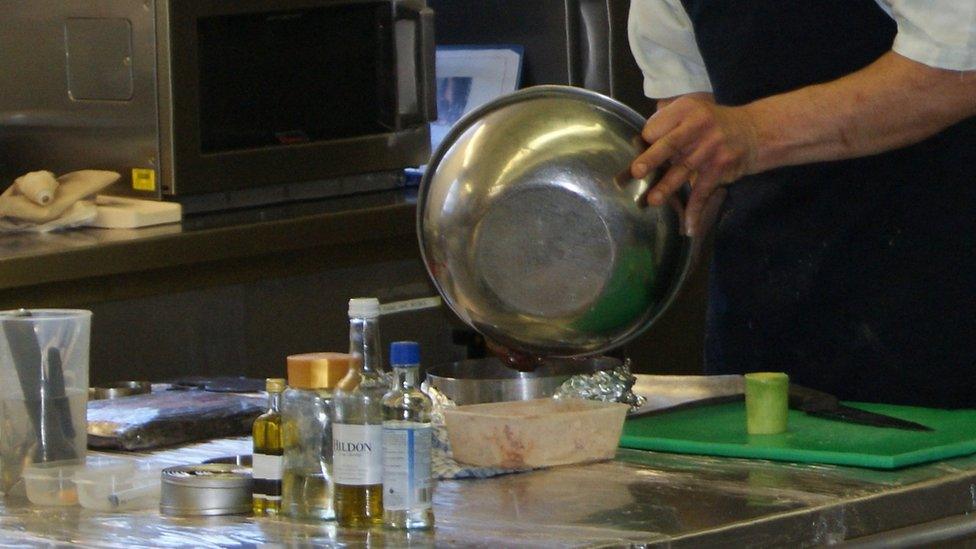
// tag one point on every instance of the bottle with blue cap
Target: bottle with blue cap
(407, 485)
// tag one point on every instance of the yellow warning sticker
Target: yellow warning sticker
(144, 179)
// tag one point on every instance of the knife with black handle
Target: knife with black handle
(827, 406)
(26, 355)
(56, 393)
(810, 401)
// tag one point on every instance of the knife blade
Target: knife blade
(827, 406)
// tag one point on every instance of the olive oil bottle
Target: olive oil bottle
(357, 432)
(267, 455)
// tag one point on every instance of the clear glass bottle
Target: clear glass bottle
(364, 339)
(407, 484)
(357, 432)
(307, 411)
(267, 454)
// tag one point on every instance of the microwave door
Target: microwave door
(298, 91)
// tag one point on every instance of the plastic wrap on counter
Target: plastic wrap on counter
(614, 385)
(165, 418)
(192, 453)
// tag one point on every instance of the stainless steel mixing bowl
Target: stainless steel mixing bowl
(534, 232)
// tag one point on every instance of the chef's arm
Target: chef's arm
(704, 96)
(891, 103)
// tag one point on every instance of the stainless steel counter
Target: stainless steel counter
(642, 498)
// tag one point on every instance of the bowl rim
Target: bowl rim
(494, 369)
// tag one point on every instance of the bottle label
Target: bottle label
(267, 472)
(357, 454)
(406, 465)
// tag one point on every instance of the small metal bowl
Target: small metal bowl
(533, 231)
(120, 389)
(482, 380)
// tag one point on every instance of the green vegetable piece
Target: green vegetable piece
(767, 402)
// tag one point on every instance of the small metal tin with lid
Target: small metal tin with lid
(206, 489)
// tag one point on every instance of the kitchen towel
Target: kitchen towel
(39, 202)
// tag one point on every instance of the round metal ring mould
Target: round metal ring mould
(206, 489)
(120, 389)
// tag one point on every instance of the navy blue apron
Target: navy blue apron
(857, 277)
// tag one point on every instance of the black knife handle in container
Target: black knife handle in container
(56, 393)
(26, 354)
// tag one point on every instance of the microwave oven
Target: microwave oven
(194, 97)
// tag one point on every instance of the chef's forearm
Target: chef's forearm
(889, 104)
(704, 96)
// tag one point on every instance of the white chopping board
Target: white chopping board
(117, 212)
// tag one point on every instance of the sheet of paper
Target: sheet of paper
(468, 77)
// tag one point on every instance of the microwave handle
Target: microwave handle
(425, 57)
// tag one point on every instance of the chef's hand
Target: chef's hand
(702, 143)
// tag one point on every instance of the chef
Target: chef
(831, 146)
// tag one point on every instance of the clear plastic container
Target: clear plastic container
(535, 433)
(43, 391)
(107, 484)
(51, 483)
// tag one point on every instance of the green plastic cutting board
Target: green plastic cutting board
(720, 430)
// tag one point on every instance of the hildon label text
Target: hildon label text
(341, 446)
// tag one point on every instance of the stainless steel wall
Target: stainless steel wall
(249, 328)
(576, 42)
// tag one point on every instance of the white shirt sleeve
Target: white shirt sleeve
(663, 43)
(938, 33)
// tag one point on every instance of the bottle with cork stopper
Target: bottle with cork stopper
(307, 412)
